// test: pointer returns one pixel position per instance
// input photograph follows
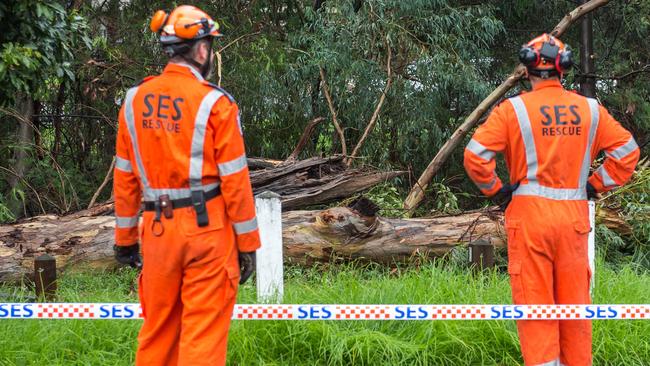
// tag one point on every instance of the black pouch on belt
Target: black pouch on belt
(198, 202)
(166, 206)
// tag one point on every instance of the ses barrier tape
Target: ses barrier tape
(342, 312)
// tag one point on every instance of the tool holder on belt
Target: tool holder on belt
(165, 206)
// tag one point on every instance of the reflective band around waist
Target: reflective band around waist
(625, 150)
(233, 166)
(152, 194)
(481, 151)
(244, 227)
(123, 165)
(561, 194)
(126, 222)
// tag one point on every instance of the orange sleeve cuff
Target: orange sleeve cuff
(249, 242)
(126, 236)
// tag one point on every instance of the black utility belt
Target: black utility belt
(165, 206)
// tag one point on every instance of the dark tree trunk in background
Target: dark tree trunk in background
(24, 139)
(587, 83)
(57, 120)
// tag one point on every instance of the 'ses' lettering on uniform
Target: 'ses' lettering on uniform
(162, 113)
(560, 120)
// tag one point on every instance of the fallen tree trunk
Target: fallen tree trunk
(341, 233)
(309, 236)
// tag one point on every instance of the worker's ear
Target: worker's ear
(203, 51)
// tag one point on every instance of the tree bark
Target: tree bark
(417, 191)
(25, 138)
(337, 234)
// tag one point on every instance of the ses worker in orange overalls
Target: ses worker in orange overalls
(180, 149)
(549, 138)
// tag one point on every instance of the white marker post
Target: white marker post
(591, 245)
(270, 281)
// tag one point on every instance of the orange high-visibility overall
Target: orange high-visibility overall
(549, 138)
(180, 136)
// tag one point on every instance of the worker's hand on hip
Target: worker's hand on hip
(503, 197)
(128, 254)
(591, 192)
(246, 265)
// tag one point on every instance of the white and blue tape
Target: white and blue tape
(343, 312)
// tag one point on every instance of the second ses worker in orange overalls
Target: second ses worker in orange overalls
(180, 148)
(549, 138)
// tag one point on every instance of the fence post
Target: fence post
(591, 245)
(270, 281)
(45, 277)
(481, 254)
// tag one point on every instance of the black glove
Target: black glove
(503, 197)
(246, 265)
(129, 254)
(591, 192)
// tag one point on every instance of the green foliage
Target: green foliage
(387, 197)
(83, 342)
(37, 44)
(633, 201)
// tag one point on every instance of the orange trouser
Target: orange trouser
(187, 289)
(548, 264)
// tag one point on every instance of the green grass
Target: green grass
(112, 342)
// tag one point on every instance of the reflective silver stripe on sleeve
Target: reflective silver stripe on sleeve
(198, 137)
(126, 222)
(607, 180)
(130, 124)
(245, 226)
(123, 165)
(625, 150)
(562, 194)
(152, 194)
(481, 151)
(527, 136)
(487, 186)
(233, 166)
(586, 160)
